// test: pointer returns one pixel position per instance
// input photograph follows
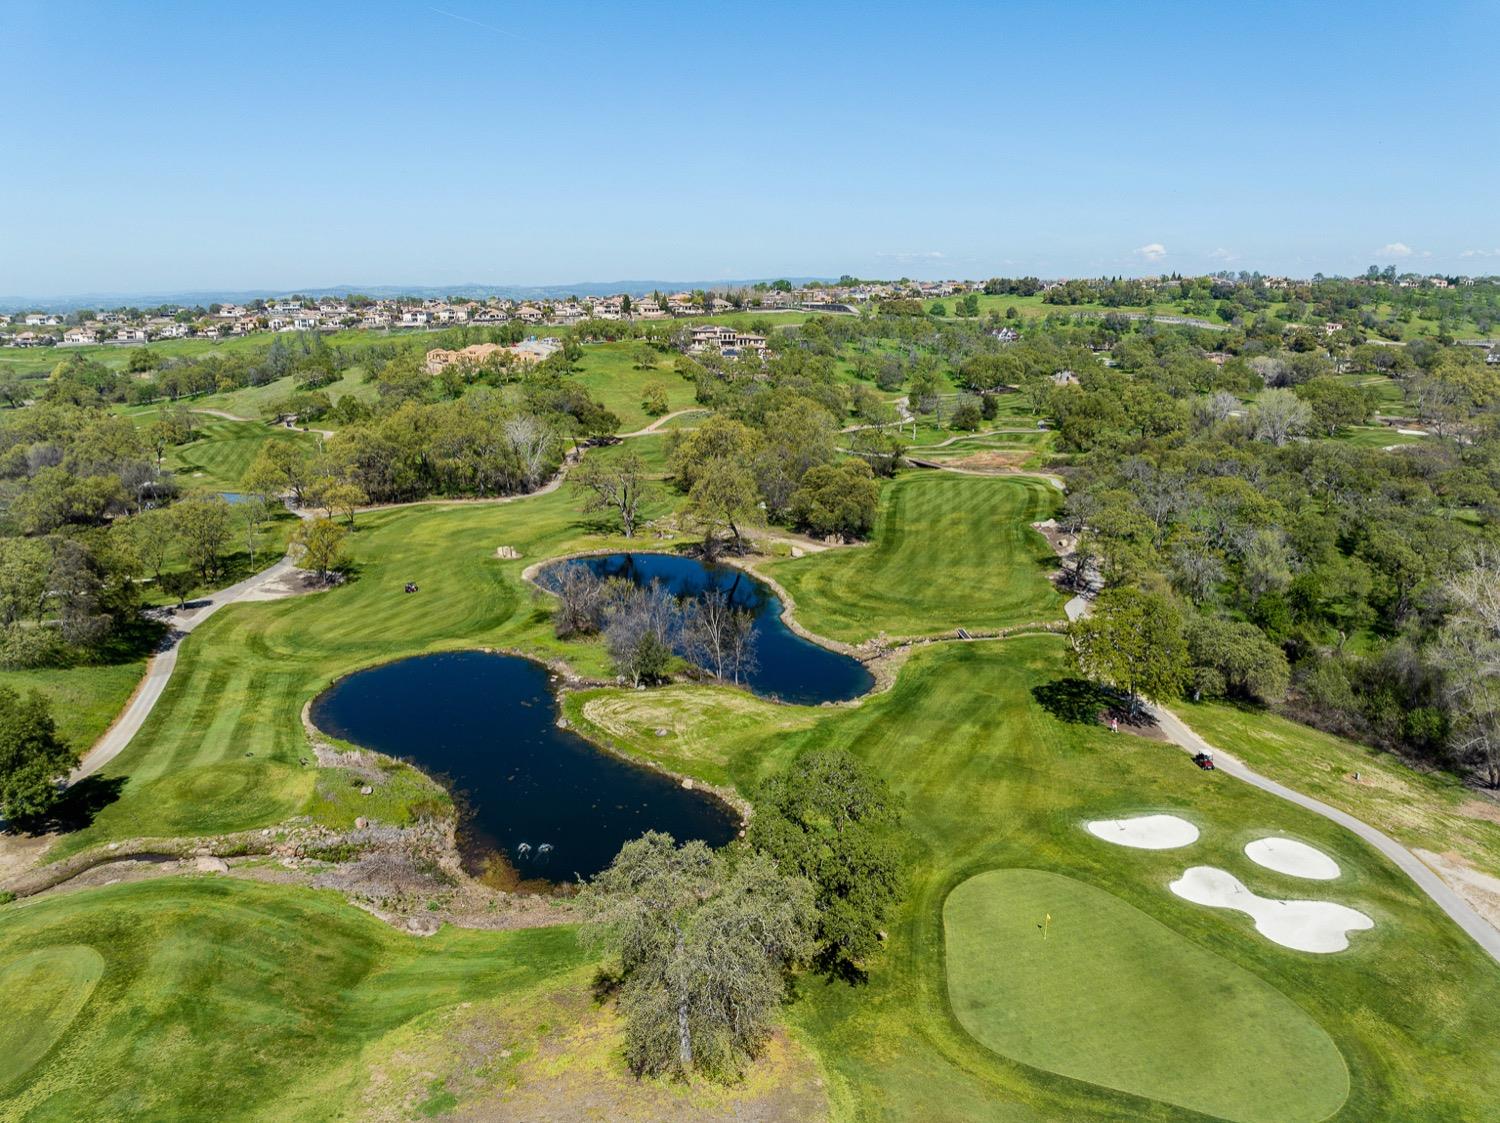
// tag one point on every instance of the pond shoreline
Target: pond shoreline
(544, 798)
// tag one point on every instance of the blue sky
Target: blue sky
(153, 147)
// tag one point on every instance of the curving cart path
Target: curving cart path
(160, 666)
(1484, 933)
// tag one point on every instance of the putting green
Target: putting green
(44, 991)
(1114, 997)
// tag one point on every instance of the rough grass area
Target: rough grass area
(1431, 810)
(85, 700)
(218, 456)
(556, 1056)
(686, 729)
(948, 552)
(223, 999)
(1109, 995)
(609, 372)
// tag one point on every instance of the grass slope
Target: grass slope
(85, 700)
(227, 999)
(948, 551)
(1430, 810)
(1084, 995)
(609, 372)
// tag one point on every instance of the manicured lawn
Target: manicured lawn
(223, 999)
(948, 551)
(217, 458)
(1376, 436)
(1069, 978)
(85, 700)
(685, 728)
(1430, 810)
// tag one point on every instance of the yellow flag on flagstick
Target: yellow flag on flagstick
(1047, 923)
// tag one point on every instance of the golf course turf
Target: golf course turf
(1068, 978)
(222, 998)
(267, 997)
(948, 551)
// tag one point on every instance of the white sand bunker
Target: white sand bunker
(1318, 926)
(1146, 832)
(1288, 856)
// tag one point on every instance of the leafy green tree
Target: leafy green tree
(831, 819)
(654, 397)
(322, 543)
(32, 757)
(339, 497)
(203, 529)
(967, 417)
(837, 499)
(1334, 404)
(1235, 658)
(723, 498)
(704, 949)
(1133, 640)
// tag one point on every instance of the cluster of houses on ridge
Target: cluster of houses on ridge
(294, 314)
(298, 314)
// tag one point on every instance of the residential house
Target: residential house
(77, 337)
(726, 341)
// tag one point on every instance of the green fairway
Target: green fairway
(1105, 993)
(217, 457)
(948, 552)
(190, 998)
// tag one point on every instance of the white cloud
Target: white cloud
(912, 255)
(1395, 249)
(1153, 252)
(1480, 253)
(1221, 254)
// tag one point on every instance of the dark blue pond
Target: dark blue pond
(487, 725)
(788, 667)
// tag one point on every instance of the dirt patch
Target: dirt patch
(557, 1058)
(292, 583)
(1484, 809)
(993, 460)
(20, 852)
(1481, 890)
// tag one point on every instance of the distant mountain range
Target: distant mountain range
(241, 296)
